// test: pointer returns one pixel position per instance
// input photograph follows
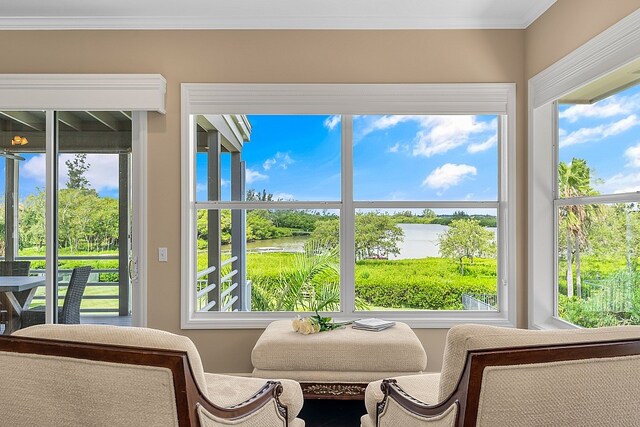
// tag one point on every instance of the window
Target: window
(362, 213)
(597, 212)
(583, 184)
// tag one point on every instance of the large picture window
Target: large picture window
(597, 212)
(367, 214)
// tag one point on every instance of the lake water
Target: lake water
(420, 241)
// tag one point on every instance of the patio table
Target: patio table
(11, 284)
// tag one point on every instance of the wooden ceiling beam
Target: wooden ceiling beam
(70, 120)
(106, 119)
(25, 118)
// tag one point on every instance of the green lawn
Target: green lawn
(90, 290)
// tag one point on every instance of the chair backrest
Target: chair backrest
(14, 268)
(122, 336)
(464, 338)
(106, 375)
(589, 379)
(73, 297)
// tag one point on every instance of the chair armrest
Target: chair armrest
(398, 404)
(228, 391)
(262, 408)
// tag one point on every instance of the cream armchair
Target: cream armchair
(79, 375)
(519, 378)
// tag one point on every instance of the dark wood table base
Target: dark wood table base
(333, 391)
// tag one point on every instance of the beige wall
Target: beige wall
(260, 56)
(288, 57)
(567, 25)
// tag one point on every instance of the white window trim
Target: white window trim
(139, 93)
(350, 99)
(610, 50)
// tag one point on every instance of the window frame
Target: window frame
(348, 100)
(608, 51)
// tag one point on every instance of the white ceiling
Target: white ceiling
(270, 14)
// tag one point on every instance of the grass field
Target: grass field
(87, 303)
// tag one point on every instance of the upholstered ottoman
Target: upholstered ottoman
(337, 364)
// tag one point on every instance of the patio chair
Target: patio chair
(11, 268)
(69, 313)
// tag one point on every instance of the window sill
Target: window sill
(553, 323)
(416, 320)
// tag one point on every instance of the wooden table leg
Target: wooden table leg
(14, 302)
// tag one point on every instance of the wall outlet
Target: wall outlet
(162, 254)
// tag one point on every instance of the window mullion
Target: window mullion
(347, 218)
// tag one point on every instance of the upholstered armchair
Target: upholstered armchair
(519, 378)
(74, 375)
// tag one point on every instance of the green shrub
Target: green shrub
(440, 295)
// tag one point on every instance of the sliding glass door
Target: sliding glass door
(67, 178)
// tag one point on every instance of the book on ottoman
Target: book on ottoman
(372, 324)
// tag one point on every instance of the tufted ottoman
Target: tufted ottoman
(337, 364)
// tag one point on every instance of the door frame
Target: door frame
(138, 93)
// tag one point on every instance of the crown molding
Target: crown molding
(134, 92)
(405, 16)
(535, 11)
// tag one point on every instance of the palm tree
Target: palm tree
(574, 180)
(311, 283)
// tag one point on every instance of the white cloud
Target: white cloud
(283, 197)
(100, 174)
(394, 148)
(444, 133)
(633, 154)
(252, 176)
(281, 160)
(599, 132)
(331, 122)
(34, 168)
(448, 175)
(609, 107)
(436, 134)
(482, 146)
(621, 183)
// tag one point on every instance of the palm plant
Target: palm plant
(312, 283)
(574, 180)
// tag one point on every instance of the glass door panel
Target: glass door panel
(93, 216)
(22, 217)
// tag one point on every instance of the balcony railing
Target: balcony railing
(483, 302)
(227, 286)
(95, 287)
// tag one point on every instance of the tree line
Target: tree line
(86, 220)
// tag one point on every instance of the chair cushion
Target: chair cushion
(464, 338)
(124, 336)
(396, 349)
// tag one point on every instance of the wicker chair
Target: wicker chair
(69, 313)
(7, 318)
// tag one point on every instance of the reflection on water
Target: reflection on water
(284, 244)
(420, 241)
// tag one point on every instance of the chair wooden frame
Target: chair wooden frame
(466, 395)
(188, 395)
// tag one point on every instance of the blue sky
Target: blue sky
(606, 135)
(102, 174)
(395, 158)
